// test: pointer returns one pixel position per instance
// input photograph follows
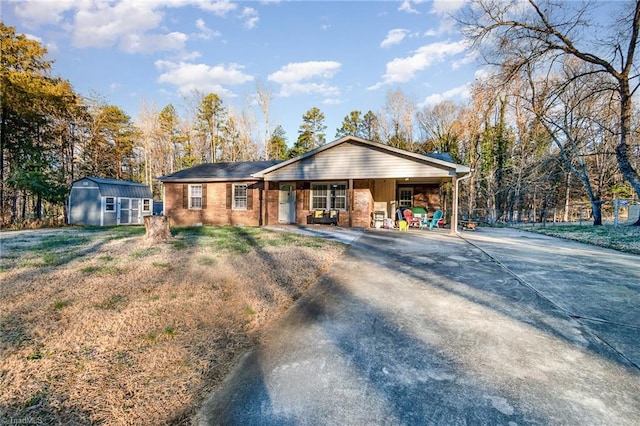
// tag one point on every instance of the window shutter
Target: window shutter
(185, 196)
(229, 195)
(249, 197)
(204, 195)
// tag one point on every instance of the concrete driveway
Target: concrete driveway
(420, 328)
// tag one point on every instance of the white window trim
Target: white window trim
(149, 206)
(107, 203)
(328, 186)
(190, 198)
(402, 202)
(235, 199)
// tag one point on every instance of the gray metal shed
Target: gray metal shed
(108, 202)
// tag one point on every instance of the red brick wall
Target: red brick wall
(362, 204)
(215, 212)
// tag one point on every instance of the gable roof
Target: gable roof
(440, 160)
(215, 172)
(119, 188)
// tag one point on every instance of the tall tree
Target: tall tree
(264, 98)
(396, 120)
(311, 133)
(277, 144)
(210, 121)
(541, 34)
(440, 128)
(352, 125)
(38, 121)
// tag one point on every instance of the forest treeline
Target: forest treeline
(551, 126)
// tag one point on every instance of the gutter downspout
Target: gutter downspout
(454, 222)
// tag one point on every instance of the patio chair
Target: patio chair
(433, 222)
(410, 218)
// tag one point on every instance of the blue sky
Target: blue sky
(338, 56)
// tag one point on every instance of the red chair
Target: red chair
(411, 220)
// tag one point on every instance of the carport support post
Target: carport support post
(454, 216)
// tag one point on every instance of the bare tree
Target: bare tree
(264, 98)
(542, 33)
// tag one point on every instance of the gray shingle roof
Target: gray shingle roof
(210, 172)
(120, 188)
(444, 156)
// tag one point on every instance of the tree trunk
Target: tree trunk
(158, 229)
(596, 208)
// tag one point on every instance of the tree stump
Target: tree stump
(158, 229)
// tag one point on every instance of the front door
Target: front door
(135, 211)
(287, 203)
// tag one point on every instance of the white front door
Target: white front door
(287, 203)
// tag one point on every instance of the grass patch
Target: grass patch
(114, 302)
(142, 253)
(623, 238)
(162, 265)
(207, 261)
(157, 326)
(100, 270)
(60, 305)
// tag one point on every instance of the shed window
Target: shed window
(146, 205)
(195, 196)
(328, 196)
(240, 197)
(110, 204)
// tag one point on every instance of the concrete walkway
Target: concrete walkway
(424, 328)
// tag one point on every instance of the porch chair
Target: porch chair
(410, 218)
(433, 222)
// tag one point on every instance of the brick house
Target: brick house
(352, 176)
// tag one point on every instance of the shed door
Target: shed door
(124, 213)
(135, 211)
(287, 203)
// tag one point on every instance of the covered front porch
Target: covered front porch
(351, 178)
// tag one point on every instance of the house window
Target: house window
(195, 196)
(328, 196)
(239, 197)
(406, 197)
(146, 205)
(110, 204)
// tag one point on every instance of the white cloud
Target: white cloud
(401, 70)
(405, 6)
(394, 36)
(220, 7)
(189, 77)
(148, 43)
(206, 33)
(37, 13)
(294, 78)
(299, 71)
(251, 17)
(101, 24)
(457, 92)
(446, 6)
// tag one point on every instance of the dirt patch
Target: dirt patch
(109, 329)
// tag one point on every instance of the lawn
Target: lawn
(97, 326)
(624, 237)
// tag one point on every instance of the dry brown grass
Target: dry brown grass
(110, 330)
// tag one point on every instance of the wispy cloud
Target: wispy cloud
(394, 36)
(461, 92)
(402, 70)
(306, 78)
(188, 77)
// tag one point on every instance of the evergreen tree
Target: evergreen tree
(311, 133)
(277, 145)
